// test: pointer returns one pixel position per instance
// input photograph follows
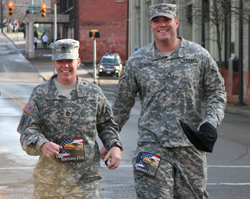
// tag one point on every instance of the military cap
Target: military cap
(65, 49)
(204, 139)
(165, 10)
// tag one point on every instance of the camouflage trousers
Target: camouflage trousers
(182, 174)
(82, 190)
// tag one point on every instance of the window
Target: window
(66, 5)
(205, 10)
(189, 13)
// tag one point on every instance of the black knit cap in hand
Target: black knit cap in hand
(204, 139)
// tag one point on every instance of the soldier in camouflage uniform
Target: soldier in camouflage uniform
(172, 76)
(69, 109)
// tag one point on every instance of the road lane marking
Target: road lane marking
(14, 97)
(229, 184)
(17, 168)
(226, 166)
(130, 166)
(209, 166)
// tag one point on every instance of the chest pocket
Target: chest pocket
(186, 75)
(51, 113)
(65, 113)
(87, 108)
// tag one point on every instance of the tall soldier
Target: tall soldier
(60, 123)
(172, 76)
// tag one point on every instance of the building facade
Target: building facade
(109, 17)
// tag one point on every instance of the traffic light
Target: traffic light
(93, 34)
(10, 9)
(43, 10)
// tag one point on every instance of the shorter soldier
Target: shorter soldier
(172, 76)
(60, 123)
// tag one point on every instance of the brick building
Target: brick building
(109, 17)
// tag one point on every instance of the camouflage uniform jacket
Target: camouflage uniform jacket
(57, 117)
(170, 88)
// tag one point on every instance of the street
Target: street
(228, 165)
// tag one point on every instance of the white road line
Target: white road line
(229, 184)
(17, 168)
(130, 166)
(209, 166)
(226, 166)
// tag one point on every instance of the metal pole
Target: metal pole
(2, 15)
(31, 40)
(240, 101)
(94, 61)
(55, 28)
(203, 24)
(32, 3)
(143, 24)
(55, 22)
(128, 20)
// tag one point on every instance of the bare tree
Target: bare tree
(218, 14)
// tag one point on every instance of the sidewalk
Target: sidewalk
(42, 63)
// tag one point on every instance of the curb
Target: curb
(238, 111)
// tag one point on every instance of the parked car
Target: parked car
(110, 64)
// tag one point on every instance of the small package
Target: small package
(73, 150)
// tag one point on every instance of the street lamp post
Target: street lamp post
(2, 15)
(93, 34)
(240, 101)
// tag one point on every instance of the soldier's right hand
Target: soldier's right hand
(50, 149)
(103, 152)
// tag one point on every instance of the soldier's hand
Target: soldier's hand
(51, 149)
(200, 125)
(115, 154)
(103, 152)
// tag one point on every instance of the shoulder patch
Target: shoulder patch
(23, 122)
(28, 109)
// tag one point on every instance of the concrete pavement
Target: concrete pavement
(42, 62)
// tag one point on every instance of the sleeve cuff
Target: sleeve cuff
(117, 144)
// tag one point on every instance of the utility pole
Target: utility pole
(93, 34)
(127, 35)
(203, 24)
(55, 27)
(240, 101)
(55, 22)
(94, 61)
(2, 15)
(32, 3)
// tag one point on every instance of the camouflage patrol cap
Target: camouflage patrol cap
(64, 49)
(165, 10)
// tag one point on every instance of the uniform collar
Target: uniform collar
(177, 53)
(80, 90)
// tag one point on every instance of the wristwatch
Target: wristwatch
(117, 144)
(41, 148)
